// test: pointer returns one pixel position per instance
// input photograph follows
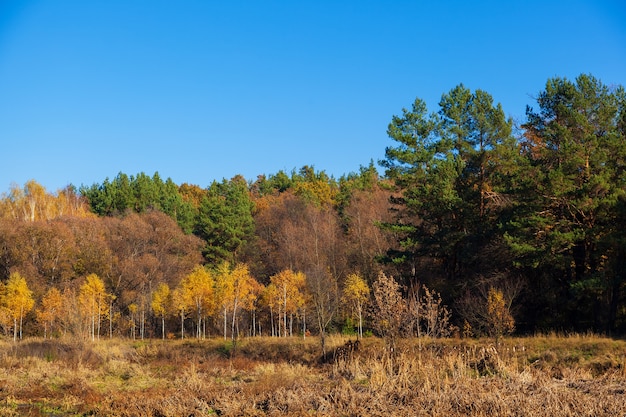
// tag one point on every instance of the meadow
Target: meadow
(576, 375)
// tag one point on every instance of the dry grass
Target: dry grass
(543, 375)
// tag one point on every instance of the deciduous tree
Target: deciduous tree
(161, 304)
(18, 300)
(290, 290)
(50, 310)
(356, 294)
(499, 316)
(197, 294)
(388, 308)
(94, 300)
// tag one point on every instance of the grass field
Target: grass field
(533, 376)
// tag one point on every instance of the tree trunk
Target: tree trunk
(182, 325)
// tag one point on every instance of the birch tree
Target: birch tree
(94, 300)
(50, 310)
(18, 300)
(161, 302)
(356, 293)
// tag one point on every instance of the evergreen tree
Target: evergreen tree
(452, 169)
(564, 232)
(225, 220)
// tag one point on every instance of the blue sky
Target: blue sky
(205, 90)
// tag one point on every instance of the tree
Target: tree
(50, 310)
(18, 300)
(94, 299)
(252, 303)
(132, 309)
(356, 293)
(140, 193)
(224, 291)
(225, 220)
(388, 308)
(197, 293)
(452, 169)
(147, 249)
(290, 291)
(181, 307)
(235, 289)
(270, 297)
(243, 293)
(324, 292)
(161, 302)
(563, 233)
(433, 315)
(364, 207)
(499, 316)
(314, 187)
(33, 203)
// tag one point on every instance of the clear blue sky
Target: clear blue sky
(205, 90)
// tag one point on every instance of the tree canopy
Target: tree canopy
(521, 223)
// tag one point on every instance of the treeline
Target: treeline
(526, 218)
(298, 224)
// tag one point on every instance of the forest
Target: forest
(473, 226)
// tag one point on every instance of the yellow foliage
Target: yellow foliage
(319, 192)
(290, 287)
(51, 309)
(196, 293)
(287, 292)
(355, 291)
(499, 317)
(33, 203)
(94, 300)
(17, 300)
(161, 300)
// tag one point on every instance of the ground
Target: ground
(534, 376)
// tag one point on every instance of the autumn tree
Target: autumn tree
(244, 286)
(432, 315)
(224, 291)
(18, 300)
(364, 205)
(355, 294)
(314, 187)
(499, 316)
(270, 298)
(252, 303)
(6, 322)
(146, 250)
(50, 310)
(132, 310)
(94, 300)
(235, 288)
(181, 307)
(34, 203)
(161, 302)
(290, 288)
(388, 308)
(52, 252)
(197, 293)
(323, 289)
